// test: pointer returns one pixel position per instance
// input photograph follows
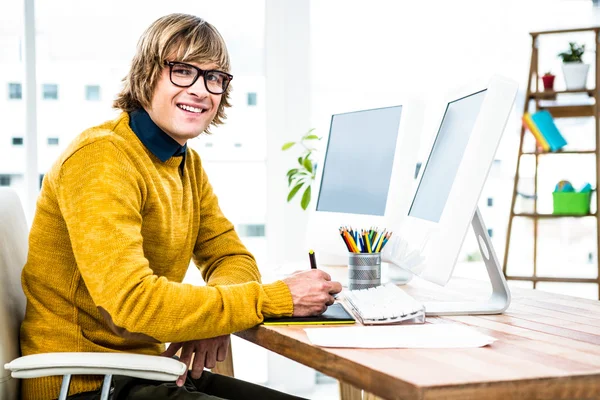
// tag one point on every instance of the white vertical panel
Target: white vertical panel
(30, 97)
(287, 33)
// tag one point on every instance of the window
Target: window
(52, 141)
(251, 99)
(17, 141)
(15, 91)
(4, 180)
(50, 91)
(490, 202)
(251, 230)
(92, 92)
(417, 169)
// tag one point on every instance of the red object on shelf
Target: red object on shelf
(548, 81)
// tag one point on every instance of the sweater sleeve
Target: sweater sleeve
(100, 195)
(219, 253)
(221, 256)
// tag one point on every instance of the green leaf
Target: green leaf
(305, 198)
(292, 171)
(311, 137)
(308, 165)
(301, 161)
(308, 133)
(287, 145)
(298, 178)
(294, 191)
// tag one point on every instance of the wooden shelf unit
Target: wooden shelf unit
(536, 96)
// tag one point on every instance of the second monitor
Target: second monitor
(444, 204)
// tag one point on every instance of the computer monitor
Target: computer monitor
(360, 178)
(444, 204)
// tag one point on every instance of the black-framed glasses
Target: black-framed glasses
(185, 75)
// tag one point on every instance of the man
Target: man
(121, 213)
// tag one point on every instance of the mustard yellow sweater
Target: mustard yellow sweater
(110, 243)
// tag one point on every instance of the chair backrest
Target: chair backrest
(13, 254)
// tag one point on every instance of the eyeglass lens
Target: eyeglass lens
(185, 75)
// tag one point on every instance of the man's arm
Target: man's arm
(100, 195)
(219, 253)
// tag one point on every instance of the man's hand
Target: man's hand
(312, 291)
(206, 354)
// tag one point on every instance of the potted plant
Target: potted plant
(574, 70)
(302, 175)
(548, 80)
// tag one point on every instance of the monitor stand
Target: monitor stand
(500, 298)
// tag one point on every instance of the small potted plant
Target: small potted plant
(304, 173)
(548, 80)
(574, 70)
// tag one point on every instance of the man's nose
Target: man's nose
(198, 88)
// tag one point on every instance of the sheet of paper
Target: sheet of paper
(428, 336)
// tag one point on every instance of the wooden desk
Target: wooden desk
(548, 348)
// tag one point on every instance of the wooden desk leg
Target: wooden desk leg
(225, 367)
(369, 396)
(349, 392)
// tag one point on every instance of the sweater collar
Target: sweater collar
(155, 139)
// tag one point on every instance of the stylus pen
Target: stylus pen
(313, 262)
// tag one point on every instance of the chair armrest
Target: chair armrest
(134, 365)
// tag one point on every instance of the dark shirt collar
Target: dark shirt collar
(155, 139)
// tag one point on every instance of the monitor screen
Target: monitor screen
(358, 161)
(445, 157)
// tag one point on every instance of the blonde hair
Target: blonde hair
(175, 37)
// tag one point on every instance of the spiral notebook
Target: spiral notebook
(335, 314)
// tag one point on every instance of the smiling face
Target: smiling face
(183, 113)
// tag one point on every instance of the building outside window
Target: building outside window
(251, 99)
(50, 91)
(251, 230)
(17, 141)
(15, 91)
(52, 141)
(4, 180)
(92, 92)
(417, 169)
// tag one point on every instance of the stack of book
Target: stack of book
(542, 126)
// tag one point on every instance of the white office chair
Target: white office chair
(13, 254)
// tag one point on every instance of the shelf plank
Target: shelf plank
(555, 31)
(570, 111)
(549, 216)
(543, 153)
(552, 93)
(552, 279)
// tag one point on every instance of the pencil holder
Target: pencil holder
(364, 270)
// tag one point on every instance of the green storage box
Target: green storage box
(572, 203)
